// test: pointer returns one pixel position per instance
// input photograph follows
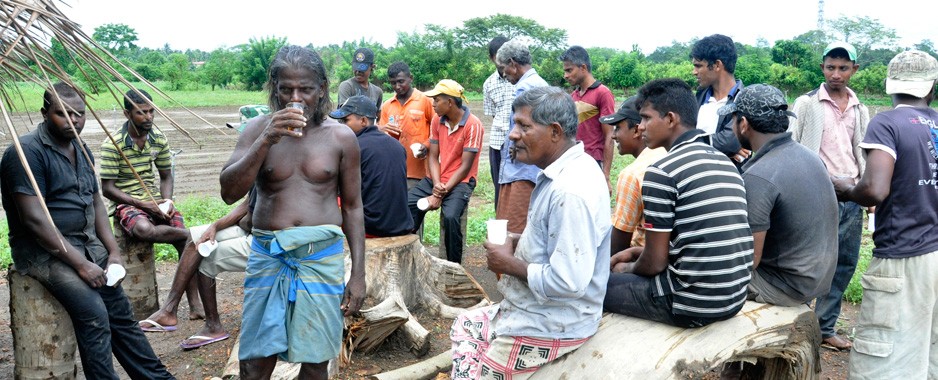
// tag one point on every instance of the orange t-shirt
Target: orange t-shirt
(413, 117)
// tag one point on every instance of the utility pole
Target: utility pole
(820, 15)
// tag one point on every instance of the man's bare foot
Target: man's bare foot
(196, 314)
(160, 321)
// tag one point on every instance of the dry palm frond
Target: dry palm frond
(27, 28)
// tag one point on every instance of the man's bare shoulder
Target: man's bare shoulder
(340, 131)
(255, 126)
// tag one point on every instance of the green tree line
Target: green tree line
(461, 53)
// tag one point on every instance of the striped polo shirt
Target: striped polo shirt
(697, 195)
(155, 151)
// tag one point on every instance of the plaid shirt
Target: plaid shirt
(499, 93)
(628, 214)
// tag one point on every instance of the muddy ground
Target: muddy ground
(197, 166)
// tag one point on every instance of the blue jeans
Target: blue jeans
(848, 253)
(104, 323)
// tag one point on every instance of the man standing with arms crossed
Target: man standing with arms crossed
(497, 95)
(293, 157)
(899, 315)
(832, 122)
(714, 60)
(592, 100)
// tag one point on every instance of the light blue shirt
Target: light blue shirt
(516, 171)
(566, 243)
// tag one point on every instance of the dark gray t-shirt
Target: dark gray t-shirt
(790, 196)
(349, 88)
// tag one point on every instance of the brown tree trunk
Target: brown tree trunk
(780, 342)
(43, 338)
(400, 276)
(140, 282)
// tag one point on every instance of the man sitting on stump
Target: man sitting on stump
(555, 272)
(697, 258)
(453, 162)
(786, 185)
(384, 171)
(67, 254)
(138, 214)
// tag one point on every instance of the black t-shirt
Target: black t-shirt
(384, 184)
(69, 192)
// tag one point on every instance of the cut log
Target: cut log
(426, 369)
(782, 342)
(400, 272)
(43, 338)
(140, 282)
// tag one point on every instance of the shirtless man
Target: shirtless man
(298, 162)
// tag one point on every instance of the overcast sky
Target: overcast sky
(207, 25)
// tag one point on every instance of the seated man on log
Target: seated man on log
(555, 272)
(67, 249)
(452, 165)
(297, 160)
(383, 168)
(697, 258)
(791, 202)
(231, 236)
(136, 201)
(628, 220)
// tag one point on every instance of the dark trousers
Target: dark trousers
(104, 324)
(495, 163)
(632, 295)
(454, 204)
(848, 253)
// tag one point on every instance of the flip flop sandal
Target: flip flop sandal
(202, 341)
(155, 327)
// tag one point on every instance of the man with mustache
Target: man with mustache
(131, 205)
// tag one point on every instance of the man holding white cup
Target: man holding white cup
(558, 266)
(453, 163)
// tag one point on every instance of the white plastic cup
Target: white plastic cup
(423, 203)
(871, 223)
(206, 248)
(415, 148)
(497, 230)
(164, 207)
(114, 273)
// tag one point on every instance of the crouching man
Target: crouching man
(558, 267)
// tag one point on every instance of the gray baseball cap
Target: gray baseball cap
(911, 72)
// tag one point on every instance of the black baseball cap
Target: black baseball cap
(363, 59)
(626, 111)
(359, 105)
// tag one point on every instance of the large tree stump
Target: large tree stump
(782, 342)
(140, 283)
(401, 276)
(43, 338)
